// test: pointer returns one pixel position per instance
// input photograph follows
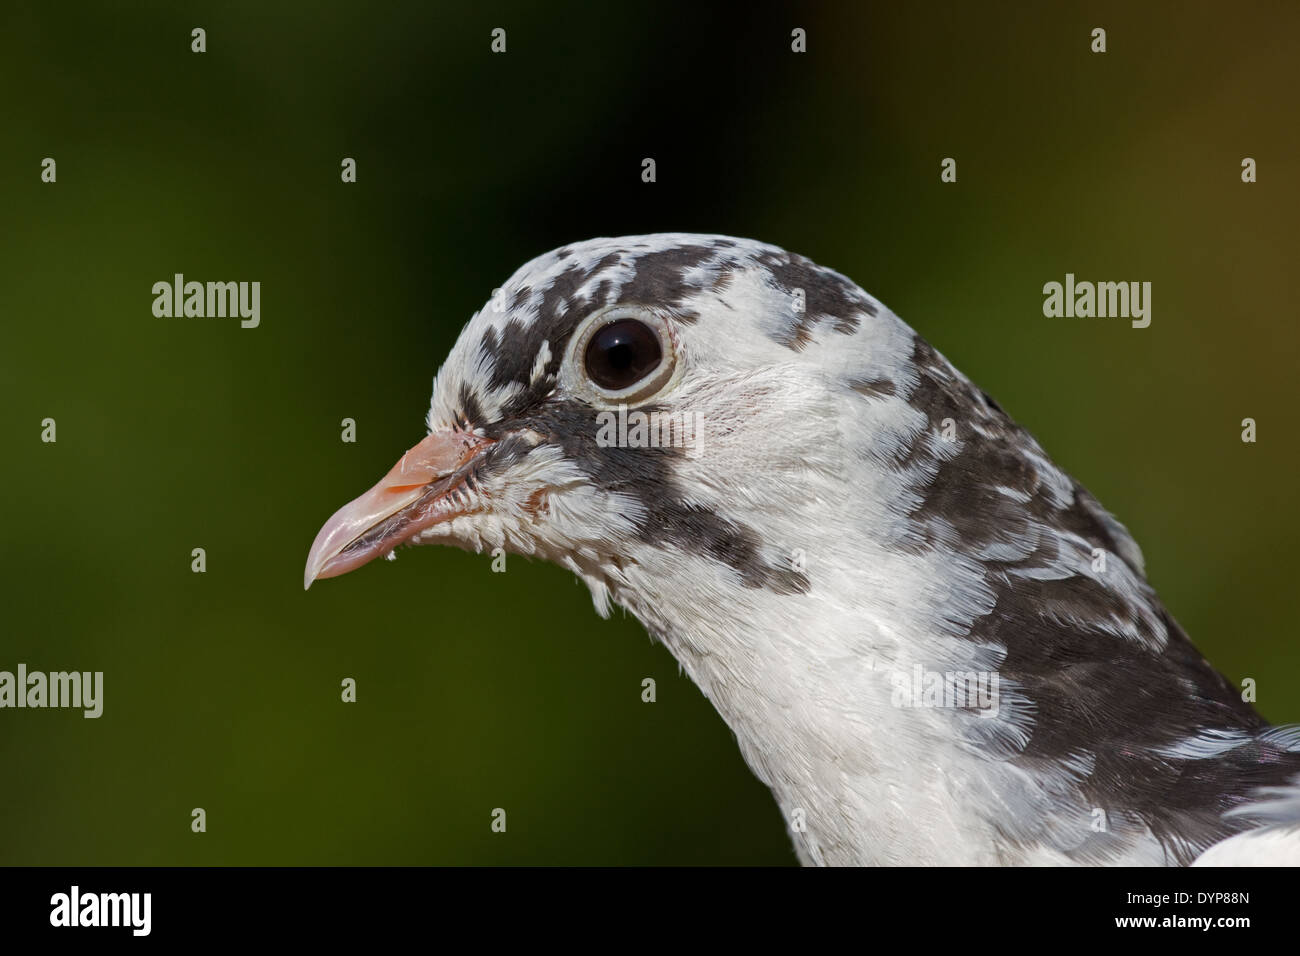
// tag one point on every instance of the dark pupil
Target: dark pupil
(622, 353)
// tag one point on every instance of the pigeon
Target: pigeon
(932, 644)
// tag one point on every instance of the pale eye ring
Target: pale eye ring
(623, 354)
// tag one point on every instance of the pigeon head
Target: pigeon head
(931, 643)
(620, 403)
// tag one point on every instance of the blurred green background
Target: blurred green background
(481, 690)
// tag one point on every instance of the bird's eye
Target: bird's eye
(622, 353)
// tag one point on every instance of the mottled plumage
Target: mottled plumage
(857, 510)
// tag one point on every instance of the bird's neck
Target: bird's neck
(886, 740)
(841, 716)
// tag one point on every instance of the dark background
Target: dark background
(481, 690)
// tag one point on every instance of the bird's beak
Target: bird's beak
(418, 492)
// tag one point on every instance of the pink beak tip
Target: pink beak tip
(441, 453)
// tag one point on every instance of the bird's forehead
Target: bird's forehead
(663, 270)
(765, 297)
